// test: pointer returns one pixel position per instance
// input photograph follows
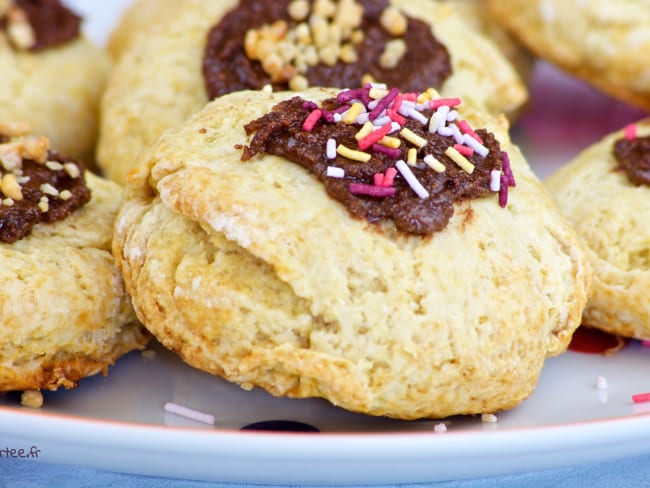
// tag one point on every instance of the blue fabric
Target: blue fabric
(628, 473)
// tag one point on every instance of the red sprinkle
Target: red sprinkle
(507, 170)
(464, 150)
(464, 126)
(503, 191)
(379, 179)
(374, 136)
(397, 103)
(389, 178)
(372, 190)
(395, 117)
(439, 102)
(411, 97)
(311, 120)
(641, 398)
(630, 132)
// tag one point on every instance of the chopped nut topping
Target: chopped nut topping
(393, 53)
(72, 170)
(19, 29)
(54, 165)
(44, 204)
(49, 190)
(10, 187)
(32, 399)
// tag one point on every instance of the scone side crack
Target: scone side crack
(35, 25)
(632, 153)
(294, 44)
(384, 154)
(36, 183)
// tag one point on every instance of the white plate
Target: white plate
(118, 423)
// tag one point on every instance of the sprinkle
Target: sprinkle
(445, 131)
(377, 92)
(410, 96)
(371, 190)
(364, 131)
(352, 114)
(389, 141)
(478, 148)
(507, 170)
(349, 95)
(412, 156)
(330, 149)
(388, 151)
(410, 178)
(394, 127)
(459, 159)
(455, 132)
(378, 178)
(440, 428)
(334, 172)
(374, 136)
(389, 178)
(452, 115)
(503, 191)
(189, 413)
(384, 103)
(346, 152)
(436, 121)
(337, 117)
(395, 117)
(645, 343)
(630, 132)
(413, 138)
(641, 398)
(362, 118)
(464, 126)
(383, 120)
(601, 383)
(488, 418)
(309, 105)
(449, 102)
(397, 102)
(495, 180)
(311, 119)
(434, 164)
(464, 150)
(414, 114)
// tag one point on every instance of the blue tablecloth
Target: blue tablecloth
(628, 473)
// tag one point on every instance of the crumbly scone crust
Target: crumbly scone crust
(611, 215)
(158, 83)
(250, 271)
(603, 42)
(64, 313)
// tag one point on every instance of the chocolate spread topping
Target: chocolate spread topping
(51, 22)
(226, 67)
(280, 133)
(633, 156)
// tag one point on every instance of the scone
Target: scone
(605, 192)
(281, 242)
(605, 43)
(52, 76)
(211, 48)
(64, 313)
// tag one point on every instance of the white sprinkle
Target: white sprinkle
(189, 413)
(379, 86)
(495, 180)
(488, 418)
(383, 120)
(452, 115)
(337, 117)
(372, 104)
(330, 150)
(410, 178)
(335, 172)
(440, 428)
(479, 148)
(362, 118)
(414, 114)
(457, 135)
(435, 123)
(394, 127)
(601, 383)
(443, 110)
(445, 131)
(434, 164)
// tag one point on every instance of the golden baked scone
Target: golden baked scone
(604, 43)
(252, 271)
(611, 212)
(52, 76)
(134, 22)
(160, 81)
(64, 313)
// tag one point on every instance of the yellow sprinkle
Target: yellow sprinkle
(389, 141)
(413, 138)
(412, 156)
(433, 93)
(459, 159)
(423, 97)
(346, 152)
(376, 93)
(364, 131)
(434, 164)
(353, 113)
(367, 78)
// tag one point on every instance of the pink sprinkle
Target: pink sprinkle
(464, 150)
(383, 104)
(464, 126)
(503, 191)
(630, 132)
(379, 179)
(411, 97)
(507, 170)
(397, 103)
(395, 117)
(311, 120)
(449, 102)
(641, 398)
(389, 178)
(645, 343)
(391, 152)
(371, 190)
(374, 136)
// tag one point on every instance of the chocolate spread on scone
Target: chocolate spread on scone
(299, 43)
(633, 157)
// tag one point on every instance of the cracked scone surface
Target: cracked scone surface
(64, 313)
(603, 42)
(250, 271)
(158, 83)
(611, 215)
